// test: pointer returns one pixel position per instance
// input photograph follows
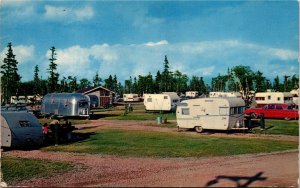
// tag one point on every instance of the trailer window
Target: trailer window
(269, 97)
(175, 101)
(185, 111)
(149, 100)
(260, 98)
(25, 123)
(231, 111)
(278, 98)
(223, 111)
(287, 98)
(241, 109)
(165, 97)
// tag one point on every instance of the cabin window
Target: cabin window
(149, 100)
(25, 123)
(223, 111)
(165, 97)
(278, 98)
(269, 97)
(185, 111)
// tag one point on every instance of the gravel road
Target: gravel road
(259, 170)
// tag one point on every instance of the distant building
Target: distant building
(104, 95)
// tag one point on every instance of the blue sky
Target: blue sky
(201, 38)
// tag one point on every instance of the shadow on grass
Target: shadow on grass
(76, 137)
(238, 180)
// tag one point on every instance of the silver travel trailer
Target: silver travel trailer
(20, 129)
(211, 113)
(166, 101)
(66, 105)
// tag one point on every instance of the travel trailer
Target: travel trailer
(66, 105)
(18, 100)
(225, 94)
(161, 102)
(211, 113)
(131, 97)
(192, 94)
(20, 129)
(295, 94)
(264, 98)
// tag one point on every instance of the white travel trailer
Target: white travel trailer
(192, 94)
(20, 129)
(225, 94)
(161, 102)
(18, 100)
(130, 97)
(66, 105)
(295, 93)
(211, 113)
(264, 98)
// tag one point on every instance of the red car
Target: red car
(274, 111)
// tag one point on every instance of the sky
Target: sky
(131, 38)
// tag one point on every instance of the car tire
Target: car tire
(287, 118)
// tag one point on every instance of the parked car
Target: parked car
(274, 111)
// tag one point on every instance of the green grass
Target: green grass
(153, 144)
(281, 127)
(17, 169)
(142, 116)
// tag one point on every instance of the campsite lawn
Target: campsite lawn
(143, 116)
(282, 127)
(17, 169)
(155, 144)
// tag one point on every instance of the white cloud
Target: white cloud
(65, 13)
(206, 58)
(162, 42)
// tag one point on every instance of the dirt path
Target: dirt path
(280, 169)
(260, 170)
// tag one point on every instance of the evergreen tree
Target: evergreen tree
(84, 83)
(36, 79)
(260, 82)
(157, 84)
(97, 80)
(52, 70)
(10, 79)
(276, 85)
(166, 76)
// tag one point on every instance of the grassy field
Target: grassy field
(282, 127)
(153, 144)
(17, 169)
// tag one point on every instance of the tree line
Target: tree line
(238, 78)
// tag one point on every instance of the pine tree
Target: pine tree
(52, 70)
(10, 79)
(36, 79)
(97, 80)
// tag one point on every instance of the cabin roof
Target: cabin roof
(91, 89)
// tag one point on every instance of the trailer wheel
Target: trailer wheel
(199, 129)
(253, 115)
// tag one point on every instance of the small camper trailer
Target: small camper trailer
(20, 129)
(225, 94)
(66, 105)
(18, 100)
(211, 113)
(161, 102)
(131, 97)
(192, 94)
(264, 98)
